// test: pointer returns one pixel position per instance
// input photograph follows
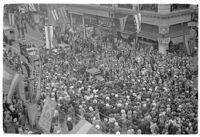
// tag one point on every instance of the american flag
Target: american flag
(63, 14)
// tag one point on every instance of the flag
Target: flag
(26, 7)
(63, 14)
(123, 22)
(32, 7)
(187, 44)
(84, 127)
(11, 18)
(8, 75)
(47, 115)
(138, 21)
(36, 18)
(16, 79)
(49, 36)
(54, 14)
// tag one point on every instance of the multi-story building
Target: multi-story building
(161, 23)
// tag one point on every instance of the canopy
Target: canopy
(84, 127)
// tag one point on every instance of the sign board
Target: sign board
(105, 22)
(47, 115)
(163, 29)
(164, 40)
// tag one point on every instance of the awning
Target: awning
(84, 127)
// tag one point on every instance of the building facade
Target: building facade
(161, 23)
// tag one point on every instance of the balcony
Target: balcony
(125, 6)
(176, 7)
(148, 7)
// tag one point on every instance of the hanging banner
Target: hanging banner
(63, 15)
(47, 115)
(138, 21)
(49, 37)
(122, 22)
(11, 18)
(36, 17)
(32, 111)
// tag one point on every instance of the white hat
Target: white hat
(116, 124)
(97, 126)
(55, 113)
(90, 108)
(117, 132)
(69, 118)
(116, 95)
(107, 98)
(107, 105)
(123, 111)
(119, 104)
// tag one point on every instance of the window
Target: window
(149, 7)
(175, 7)
(107, 5)
(127, 6)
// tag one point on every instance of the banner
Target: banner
(32, 112)
(11, 18)
(54, 14)
(36, 17)
(8, 75)
(123, 22)
(32, 7)
(16, 79)
(63, 15)
(49, 37)
(47, 115)
(138, 20)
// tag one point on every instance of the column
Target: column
(163, 45)
(163, 41)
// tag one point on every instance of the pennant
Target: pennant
(138, 21)
(11, 18)
(47, 115)
(123, 22)
(49, 36)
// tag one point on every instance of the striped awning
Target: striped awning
(84, 127)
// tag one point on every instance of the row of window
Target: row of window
(150, 7)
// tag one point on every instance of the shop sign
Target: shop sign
(163, 29)
(105, 22)
(164, 40)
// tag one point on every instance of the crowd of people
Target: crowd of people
(142, 92)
